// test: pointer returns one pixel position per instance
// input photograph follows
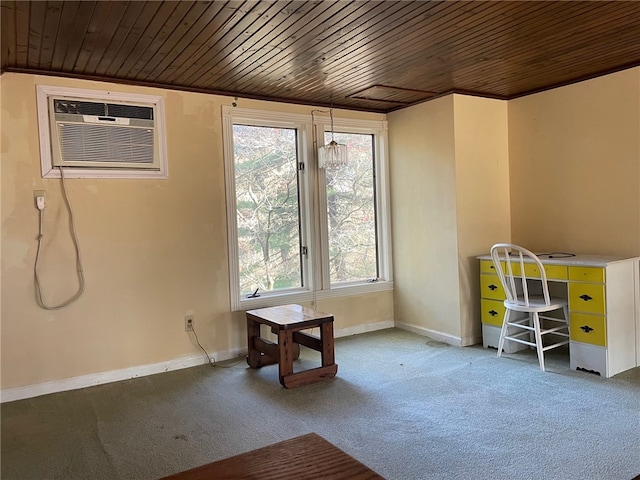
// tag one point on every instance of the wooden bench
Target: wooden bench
(286, 322)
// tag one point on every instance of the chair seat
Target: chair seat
(536, 304)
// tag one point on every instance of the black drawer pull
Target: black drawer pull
(493, 287)
(493, 313)
(586, 328)
(586, 297)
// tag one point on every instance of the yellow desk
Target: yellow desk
(604, 308)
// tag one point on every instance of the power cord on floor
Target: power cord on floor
(210, 358)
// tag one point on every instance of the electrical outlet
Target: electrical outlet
(188, 323)
(39, 194)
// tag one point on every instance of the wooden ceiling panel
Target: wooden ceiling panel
(356, 48)
(264, 51)
(393, 54)
(365, 55)
(164, 22)
(231, 44)
(200, 38)
(64, 32)
(432, 52)
(47, 35)
(139, 33)
(291, 50)
(22, 33)
(99, 34)
(110, 49)
(400, 96)
(75, 39)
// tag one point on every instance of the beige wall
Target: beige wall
(482, 196)
(153, 250)
(423, 213)
(575, 167)
(450, 202)
(559, 170)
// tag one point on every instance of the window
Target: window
(267, 208)
(297, 232)
(351, 212)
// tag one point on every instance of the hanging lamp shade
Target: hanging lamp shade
(333, 154)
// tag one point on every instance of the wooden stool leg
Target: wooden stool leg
(286, 345)
(326, 337)
(253, 332)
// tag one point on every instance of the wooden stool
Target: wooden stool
(286, 321)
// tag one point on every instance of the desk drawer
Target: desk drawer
(486, 266)
(588, 329)
(587, 298)
(587, 274)
(554, 272)
(492, 312)
(490, 287)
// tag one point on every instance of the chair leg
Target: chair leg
(503, 331)
(532, 333)
(540, 351)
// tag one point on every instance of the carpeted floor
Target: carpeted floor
(404, 405)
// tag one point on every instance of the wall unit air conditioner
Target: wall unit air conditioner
(94, 134)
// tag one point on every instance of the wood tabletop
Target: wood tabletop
(288, 316)
(307, 457)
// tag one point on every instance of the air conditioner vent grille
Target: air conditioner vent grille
(105, 143)
(79, 107)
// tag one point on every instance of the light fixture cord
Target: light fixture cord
(331, 119)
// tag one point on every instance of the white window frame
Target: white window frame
(312, 207)
(379, 131)
(43, 92)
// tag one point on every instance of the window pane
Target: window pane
(351, 213)
(267, 208)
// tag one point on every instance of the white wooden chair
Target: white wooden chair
(522, 275)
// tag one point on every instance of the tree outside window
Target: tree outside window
(267, 208)
(351, 212)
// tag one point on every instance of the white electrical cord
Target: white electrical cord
(74, 237)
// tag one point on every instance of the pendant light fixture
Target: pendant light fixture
(334, 154)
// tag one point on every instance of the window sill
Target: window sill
(274, 299)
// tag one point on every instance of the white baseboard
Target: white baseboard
(468, 341)
(83, 381)
(369, 327)
(439, 336)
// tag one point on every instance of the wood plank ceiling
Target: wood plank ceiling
(364, 55)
